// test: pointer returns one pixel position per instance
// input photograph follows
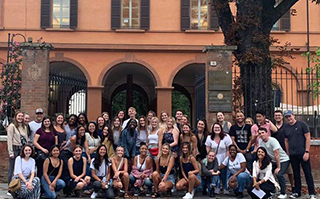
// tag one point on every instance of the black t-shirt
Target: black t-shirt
(295, 134)
(241, 134)
(279, 135)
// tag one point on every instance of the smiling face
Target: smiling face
(220, 116)
(185, 129)
(142, 122)
(260, 118)
(91, 127)
(290, 119)
(120, 151)
(164, 117)
(81, 131)
(233, 151)
(105, 116)
(105, 131)
(116, 122)
(165, 150)
(248, 121)
(20, 117)
(200, 125)
(179, 115)
(77, 152)
(39, 117)
(154, 123)
(239, 117)
(60, 119)
(211, 156)
(261, 154)
(149, 116)
(55, 152)
(72, 120)
(217, 129)
(81, 119)
(26, 119)
(102, 151)
(264, 135)
(278, 117)
(47, 123)
(100, 121)
(184, 120)
(185, 149)
(131, 113)
(121, 114)
(27, 151)
(143, 150)
(170, 123)
(133, 124)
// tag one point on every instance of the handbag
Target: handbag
(154, 151)
(15, 185)
(40, 155)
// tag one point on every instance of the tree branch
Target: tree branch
(274, 14)
(224, 14)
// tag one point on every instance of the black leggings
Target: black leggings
(267, 187)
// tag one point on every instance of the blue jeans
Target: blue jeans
(210, 181)
(147, 182)
(51, 194)
(243, 179)
(224, 173)
(280, 176)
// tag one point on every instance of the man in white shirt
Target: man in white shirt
(278, 157)
(132, 115)
(36, 124)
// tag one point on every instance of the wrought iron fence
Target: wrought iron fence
(291, 91)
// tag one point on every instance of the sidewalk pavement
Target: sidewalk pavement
(180, 194)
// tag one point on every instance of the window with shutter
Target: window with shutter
(61, 14)
(130, 14)
(284, 22)
(199, 14)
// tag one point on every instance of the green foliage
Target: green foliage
(11, 82)
(180, 102)
(314, 71)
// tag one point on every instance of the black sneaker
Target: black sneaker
(240, 195)
(212, 194)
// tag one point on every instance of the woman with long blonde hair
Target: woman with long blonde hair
(170, 135)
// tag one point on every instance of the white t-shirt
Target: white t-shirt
(273, 145)
(235, 166)
(222, 151)
(34, 126)
(124, 124)
(24, 167)
(103, 171)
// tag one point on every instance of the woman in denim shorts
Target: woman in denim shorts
(163, 178)
(190, 171)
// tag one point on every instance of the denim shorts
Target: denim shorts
(171, 178)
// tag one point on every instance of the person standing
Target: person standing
(36, 124)
(279, 158)
(297, 141)
(132, 115)
(279, 135)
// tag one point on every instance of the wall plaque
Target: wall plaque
(220, 101)
(220, 80)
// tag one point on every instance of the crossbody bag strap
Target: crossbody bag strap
(218, 146)
(120, 165)
(142, 163)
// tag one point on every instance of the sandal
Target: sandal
(155, 195)
(126, 195)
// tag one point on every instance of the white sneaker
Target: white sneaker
(94, 195)
(9, 194)
(192, 193)
(225, 192)
(187, 196)
(217, 191)
(313, 197)
(282, 196)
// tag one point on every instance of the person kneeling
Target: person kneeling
(262, 175)
(190, 171)
(210, 172)
(100, 171)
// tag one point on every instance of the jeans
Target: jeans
(210, 181)
(244, 179)
(280, 176)
(51, 194)
(16, 152)
(296, 160)
(224, 173)
(147, 182)
(108, 192)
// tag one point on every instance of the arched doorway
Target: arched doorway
(190, 82)
(129, 84)
(67, 89)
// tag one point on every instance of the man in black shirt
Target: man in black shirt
(241, 137)
(297, 141)
(279, 135)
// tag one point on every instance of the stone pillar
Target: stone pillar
(219, 82)
(94, 102)
(35, 77)
(164, 100)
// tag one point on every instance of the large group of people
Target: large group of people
(157, 156)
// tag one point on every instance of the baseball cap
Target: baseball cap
(39, 110)
(288, 113)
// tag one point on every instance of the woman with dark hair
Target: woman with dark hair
(120, 115)
(80, 139)
(52, 170)
(201, 134)
(236, 165)
(163, 178)
(70, 127)
(190, 171)
(116, 130)
(100, 172)
(77, 166)
(83, 120)
(106, 118)
(17, 134)
(225, 124)
(141, 171)
(24, 169)
(44, 139)
(92, 139)
(262, 174)
(141, 132)
(188, 136)
(219, 142)
(100, 123)
(107, 138)
(120, 172)
(129, 139)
